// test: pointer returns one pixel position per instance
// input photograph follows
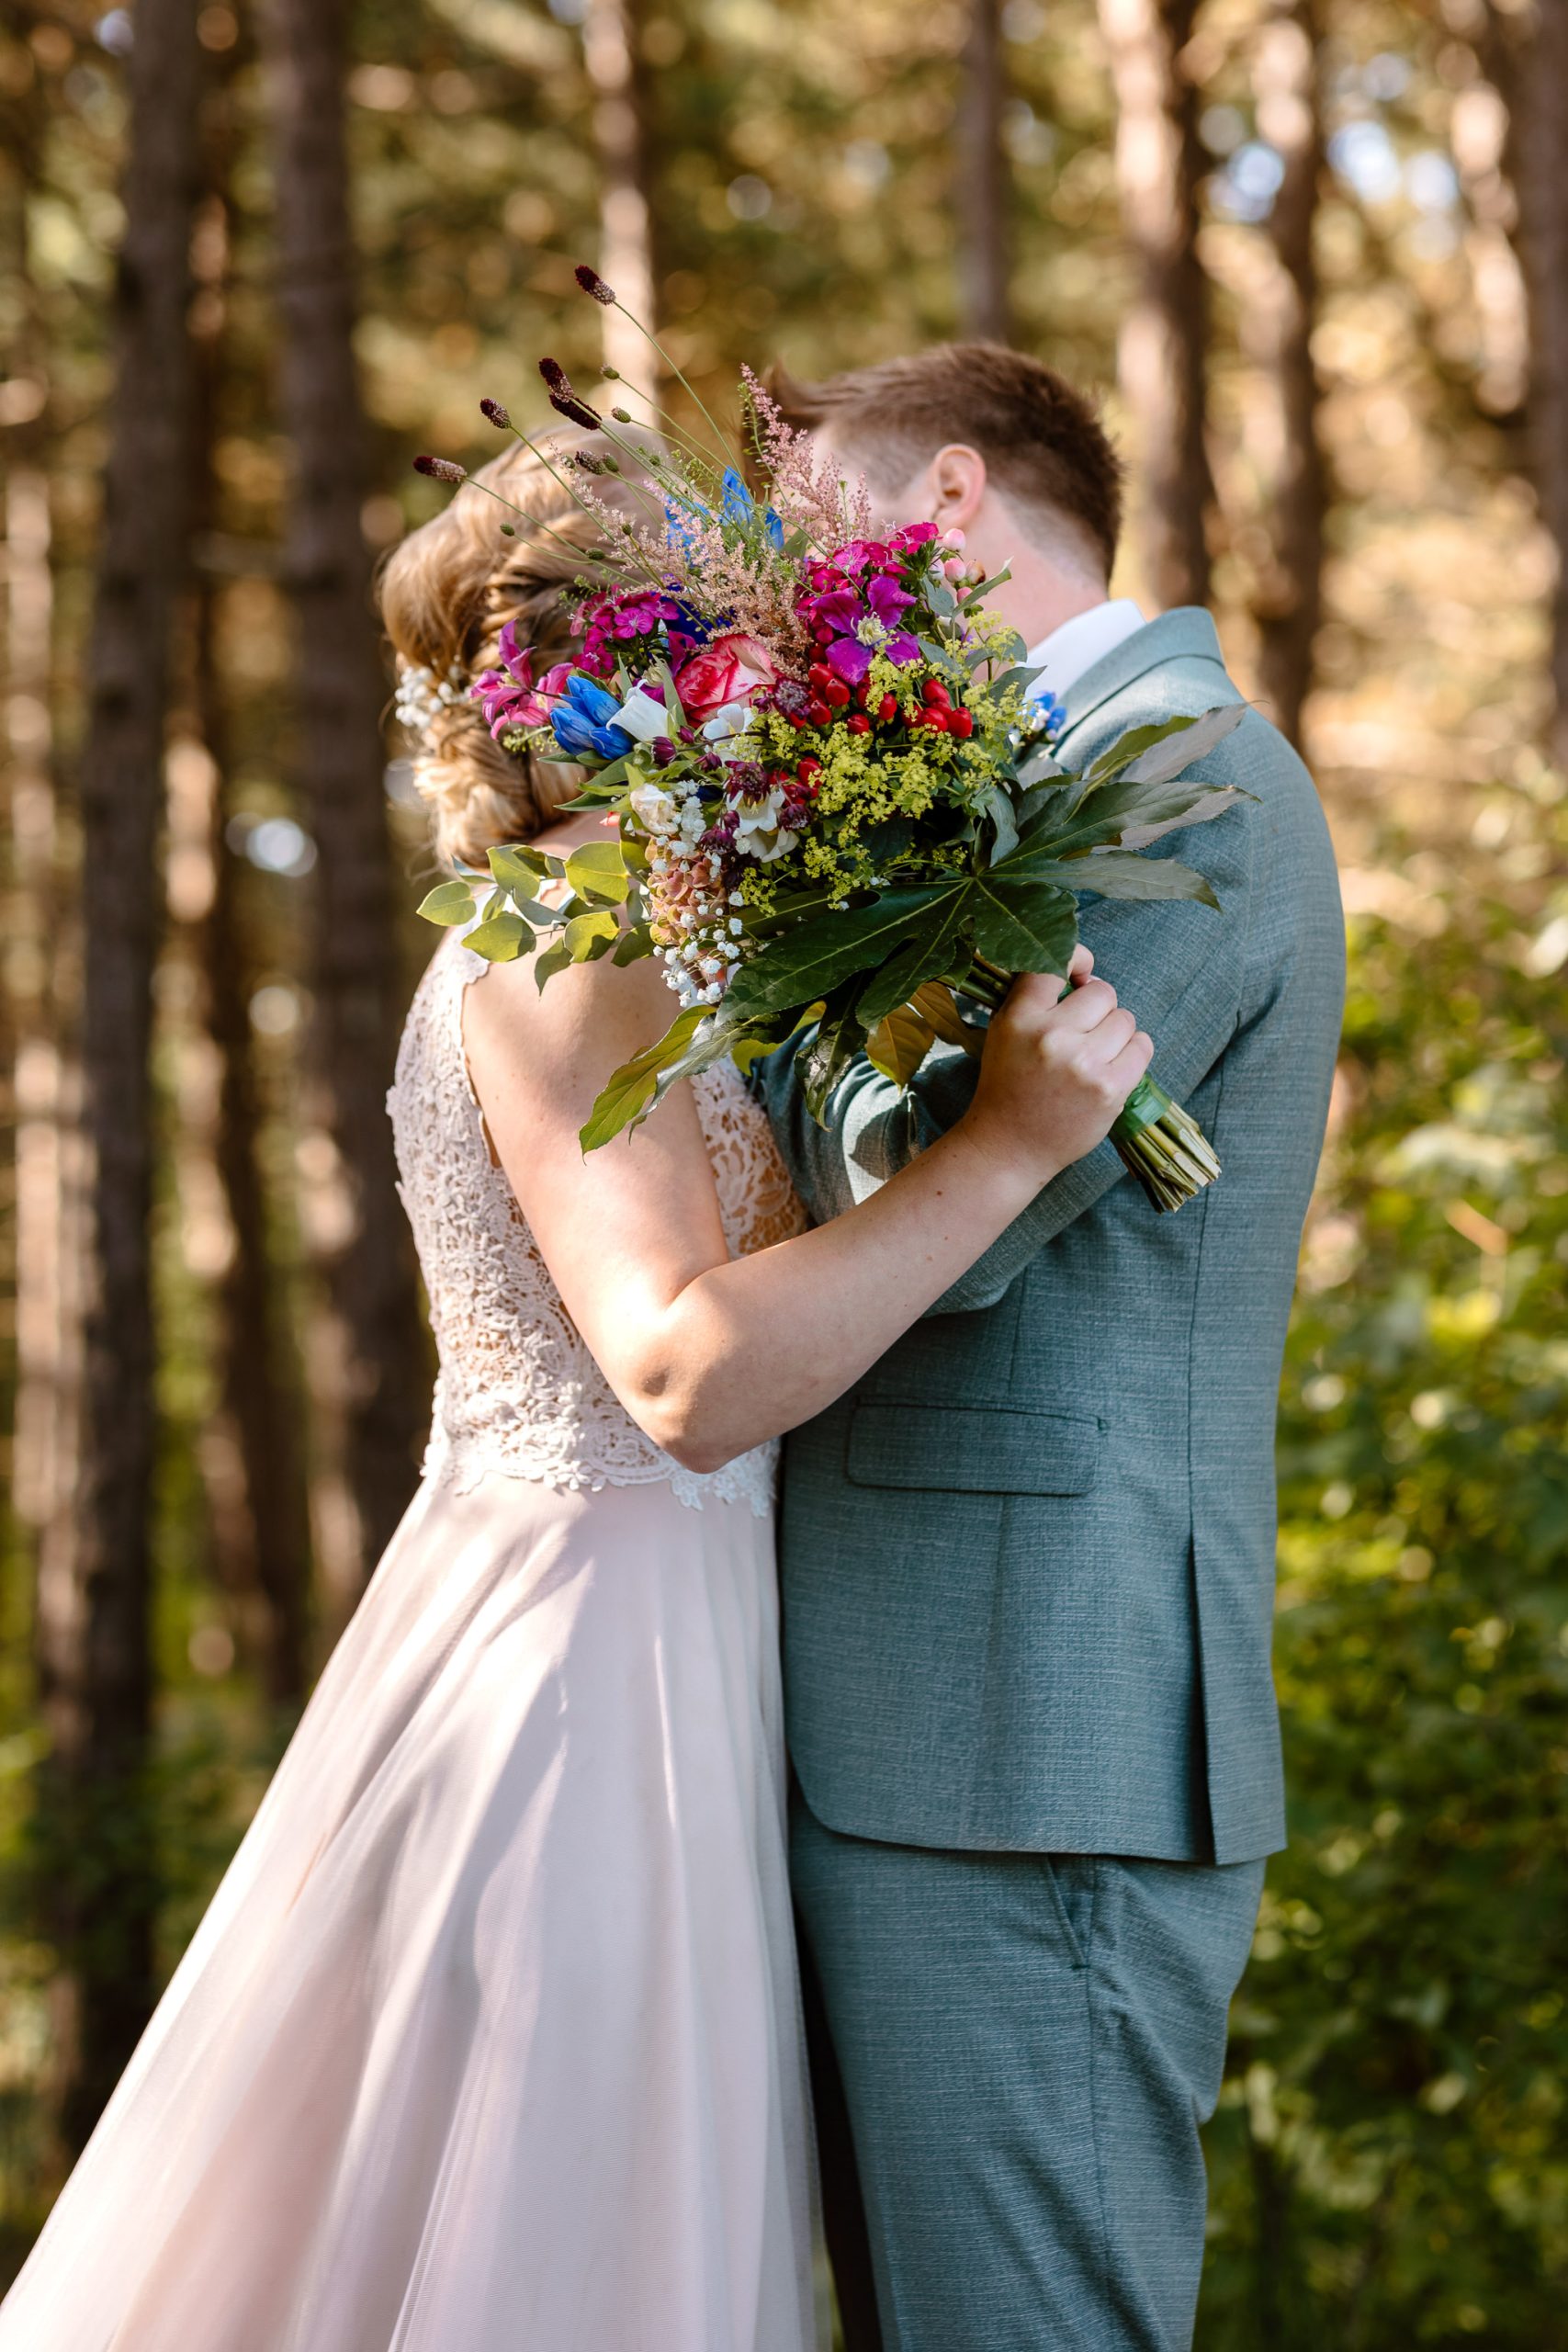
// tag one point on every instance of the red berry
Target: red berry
(933, 690)
(836, 693)
(932, 717)
(887, 708)
(858, 723)
(862, 697)
(818, 711)
(961, 722)
(807, 768)
(820, 676)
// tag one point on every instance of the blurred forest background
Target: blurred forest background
(1316, 253)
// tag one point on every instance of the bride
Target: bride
(489, 2041)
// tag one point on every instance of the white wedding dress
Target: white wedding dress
(490, 2041)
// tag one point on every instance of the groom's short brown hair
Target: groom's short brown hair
(1044, 443)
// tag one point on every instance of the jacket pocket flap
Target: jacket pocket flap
(974, 1450)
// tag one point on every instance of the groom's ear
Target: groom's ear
(955, 485)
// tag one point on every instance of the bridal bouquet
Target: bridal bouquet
(831, 794)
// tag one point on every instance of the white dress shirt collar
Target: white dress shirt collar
(1063, 656)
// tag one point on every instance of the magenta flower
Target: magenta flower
(508, 696)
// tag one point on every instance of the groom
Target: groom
(1028, 1561)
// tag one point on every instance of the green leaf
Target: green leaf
(1024, 925)
(1102, 819)
(1122, 874)
(501, 938)
(921, 960)
(587, 937)
(899, 1044)
(938, 1008)
(599, 872)
(815, 958)
(840, 1034)
(632, 1089)
(1131, 746)
(1041, 767)
(633, 945)
(447, 904)
(1168, 759)
(940, 596)
(551, 960)
(516, 868)
(997, 804)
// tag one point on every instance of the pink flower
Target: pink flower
(732, 669)
(507, 695)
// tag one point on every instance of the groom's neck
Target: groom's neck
(1037, 598)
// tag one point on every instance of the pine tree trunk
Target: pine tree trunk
(1531, 57)
(610, 46)
(1164, 339)
(983, 185)
(1278, 332)
(378, 1357)
(254, 1445)
(94, 1628)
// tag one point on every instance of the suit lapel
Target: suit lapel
(1187, 634)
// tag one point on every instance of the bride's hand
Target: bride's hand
(1060, 1061)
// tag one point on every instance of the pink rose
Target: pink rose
(732, 669)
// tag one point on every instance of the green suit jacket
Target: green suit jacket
(1027, 1560)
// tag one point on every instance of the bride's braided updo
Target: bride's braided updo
(446, 593)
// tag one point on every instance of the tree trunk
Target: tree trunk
(253, 1449)
(93, 1629)
(1531, 59)
(1163, 341)
(378, 1359)
(982, 182)
(610, 46)
(1278, 332)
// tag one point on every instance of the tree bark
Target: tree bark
(379, 1358)
(1163, 341)
(1530, 59)
(984, 243)
(610, 46)
(1277, 330)
(93, 1629)
(253, 1449)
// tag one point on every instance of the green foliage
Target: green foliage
(1390, 2161)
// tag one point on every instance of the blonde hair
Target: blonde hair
(448, 592)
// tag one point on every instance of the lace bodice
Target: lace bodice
(518, 1391)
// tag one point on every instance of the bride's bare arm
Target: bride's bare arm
(710, 1355)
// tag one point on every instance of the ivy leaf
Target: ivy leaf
(501, 938)
(448, 904)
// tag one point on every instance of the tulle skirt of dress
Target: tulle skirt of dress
(490, 2041)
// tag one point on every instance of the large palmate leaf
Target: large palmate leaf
(923, 958)
(1023, 923)
(830, 1053)
(937, 1005)
(1099, 820)
(814, 958)
(1139, 742)
(1182, 746)
(1117, 874)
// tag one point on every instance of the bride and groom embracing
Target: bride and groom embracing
(492, 2040)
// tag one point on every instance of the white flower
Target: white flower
(642, 715)
(757, 833)
(652, 807)
(725, 728)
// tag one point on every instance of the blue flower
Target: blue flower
(739, 506)
(582, 719)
